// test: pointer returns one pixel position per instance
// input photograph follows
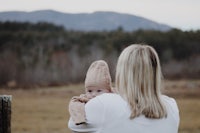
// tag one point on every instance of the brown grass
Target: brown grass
(189, 115)
(45, 110)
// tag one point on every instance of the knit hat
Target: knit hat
(98, 75)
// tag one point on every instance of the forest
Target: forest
(44, 54)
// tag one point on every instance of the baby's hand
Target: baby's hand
(84, 98)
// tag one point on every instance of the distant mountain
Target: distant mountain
(97, 21)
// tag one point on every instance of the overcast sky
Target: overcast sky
(184, 14)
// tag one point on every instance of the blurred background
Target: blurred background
(46, 48)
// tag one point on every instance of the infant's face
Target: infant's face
(95, 91)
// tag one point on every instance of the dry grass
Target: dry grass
(44, 110)
(189, 115)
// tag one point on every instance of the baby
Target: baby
(97, 81)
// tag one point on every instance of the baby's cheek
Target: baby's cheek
(89, 95)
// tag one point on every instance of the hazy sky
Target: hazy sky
(184, 14)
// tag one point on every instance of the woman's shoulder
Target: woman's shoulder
(169, 100)
(171, 106)
(110, 98)
(106, 100)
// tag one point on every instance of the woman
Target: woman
(137, 105)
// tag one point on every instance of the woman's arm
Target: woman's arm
(94, 110)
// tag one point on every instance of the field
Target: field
(45, 110)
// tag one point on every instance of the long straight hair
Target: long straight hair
(138, 81)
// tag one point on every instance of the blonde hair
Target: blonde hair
(138, 81)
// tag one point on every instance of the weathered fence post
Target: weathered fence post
(5, 113)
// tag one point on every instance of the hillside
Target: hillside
(97, 21)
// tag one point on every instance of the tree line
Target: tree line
(46, 54)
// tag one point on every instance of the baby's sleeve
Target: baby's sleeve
(77, 111)
(94, 110)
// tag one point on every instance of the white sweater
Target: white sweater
(109, 113)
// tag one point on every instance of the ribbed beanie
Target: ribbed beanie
(98, 75)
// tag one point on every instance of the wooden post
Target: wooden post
(5, 113)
